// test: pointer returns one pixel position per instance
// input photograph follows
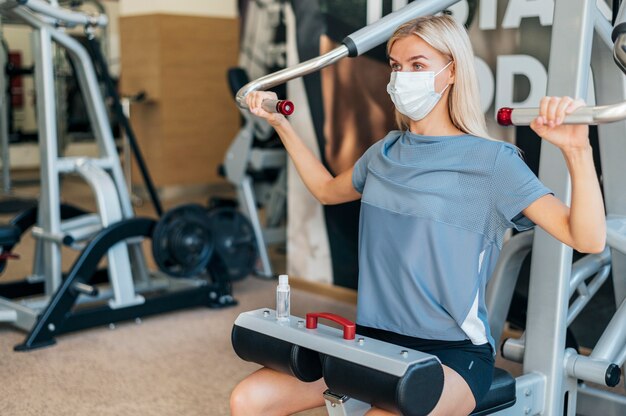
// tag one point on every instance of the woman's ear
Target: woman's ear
(452, 73)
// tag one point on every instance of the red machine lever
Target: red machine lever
(504, 116)
(284, 107)
(349, 328)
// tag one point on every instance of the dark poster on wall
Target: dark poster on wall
(350, 109)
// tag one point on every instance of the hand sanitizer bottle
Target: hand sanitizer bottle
(282, 298)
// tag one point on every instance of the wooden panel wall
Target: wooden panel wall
(190, 119)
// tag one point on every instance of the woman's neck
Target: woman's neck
(433, 128)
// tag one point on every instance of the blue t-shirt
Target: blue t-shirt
(433, 215)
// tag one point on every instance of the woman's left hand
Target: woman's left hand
(548, 125)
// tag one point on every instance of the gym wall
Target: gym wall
(178, 54)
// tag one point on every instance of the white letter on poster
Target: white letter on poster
(487, 14)
(518, 9)
(510, 65)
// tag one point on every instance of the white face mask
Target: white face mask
(413, 93)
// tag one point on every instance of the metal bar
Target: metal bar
(207, 295)
(287, 74)
(120, 273)
(619, 36)
(93, 99)
(587, 294)
(616, 233)
(585, 115)
(548, 299)
(69, 164)
(613, 339)
(371, 353)
(595, 402)
(49, 214)
(64, 15)
(594, 370)
(341, 405)
(529, 392)
(103, 70)
(621, 358)
(513, 349)
(248, 206)
(99, 121)
(355, 44)
(25, 317)
(603, 30)
(587, 267)
(610, 86)
(378, 32)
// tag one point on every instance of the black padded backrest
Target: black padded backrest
(10, 235)
(237, 78)
(414, 394)
(276, 354)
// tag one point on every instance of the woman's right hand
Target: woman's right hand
(254, 100)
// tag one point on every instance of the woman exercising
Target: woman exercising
(436, 199)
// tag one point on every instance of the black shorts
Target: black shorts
(474, 363)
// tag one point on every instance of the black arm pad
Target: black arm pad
(414, 394)
(276, 354)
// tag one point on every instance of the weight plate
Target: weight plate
(234, 244)
(182, 243)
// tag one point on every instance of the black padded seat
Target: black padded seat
(501, 395)
(9, 235)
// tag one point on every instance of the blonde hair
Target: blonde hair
(450, 39)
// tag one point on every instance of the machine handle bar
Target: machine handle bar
(284, 107)
(585, 115)
(355, 44)
(66, 16)
(349, 328)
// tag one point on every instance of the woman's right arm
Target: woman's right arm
(325, 188)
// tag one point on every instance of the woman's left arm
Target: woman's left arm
(583, 225)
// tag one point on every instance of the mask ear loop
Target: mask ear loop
(447, 65)
(447, 85)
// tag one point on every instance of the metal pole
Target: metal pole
(49, 214)
(548, 296)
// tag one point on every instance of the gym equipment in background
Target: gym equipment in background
(554, 378)
(191, 240)
(11, 95)
(50, 302)
(256, 164)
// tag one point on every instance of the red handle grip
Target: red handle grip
(284, 107)
(504, 116)
(349, 328)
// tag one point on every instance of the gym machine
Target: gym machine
(185, 242)
(554, 380)
(359, 371)
(256, 161)
(9, 71)
(256, 164)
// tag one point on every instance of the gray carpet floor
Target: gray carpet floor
(179, 363)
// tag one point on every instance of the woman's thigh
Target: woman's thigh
(269, 392)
